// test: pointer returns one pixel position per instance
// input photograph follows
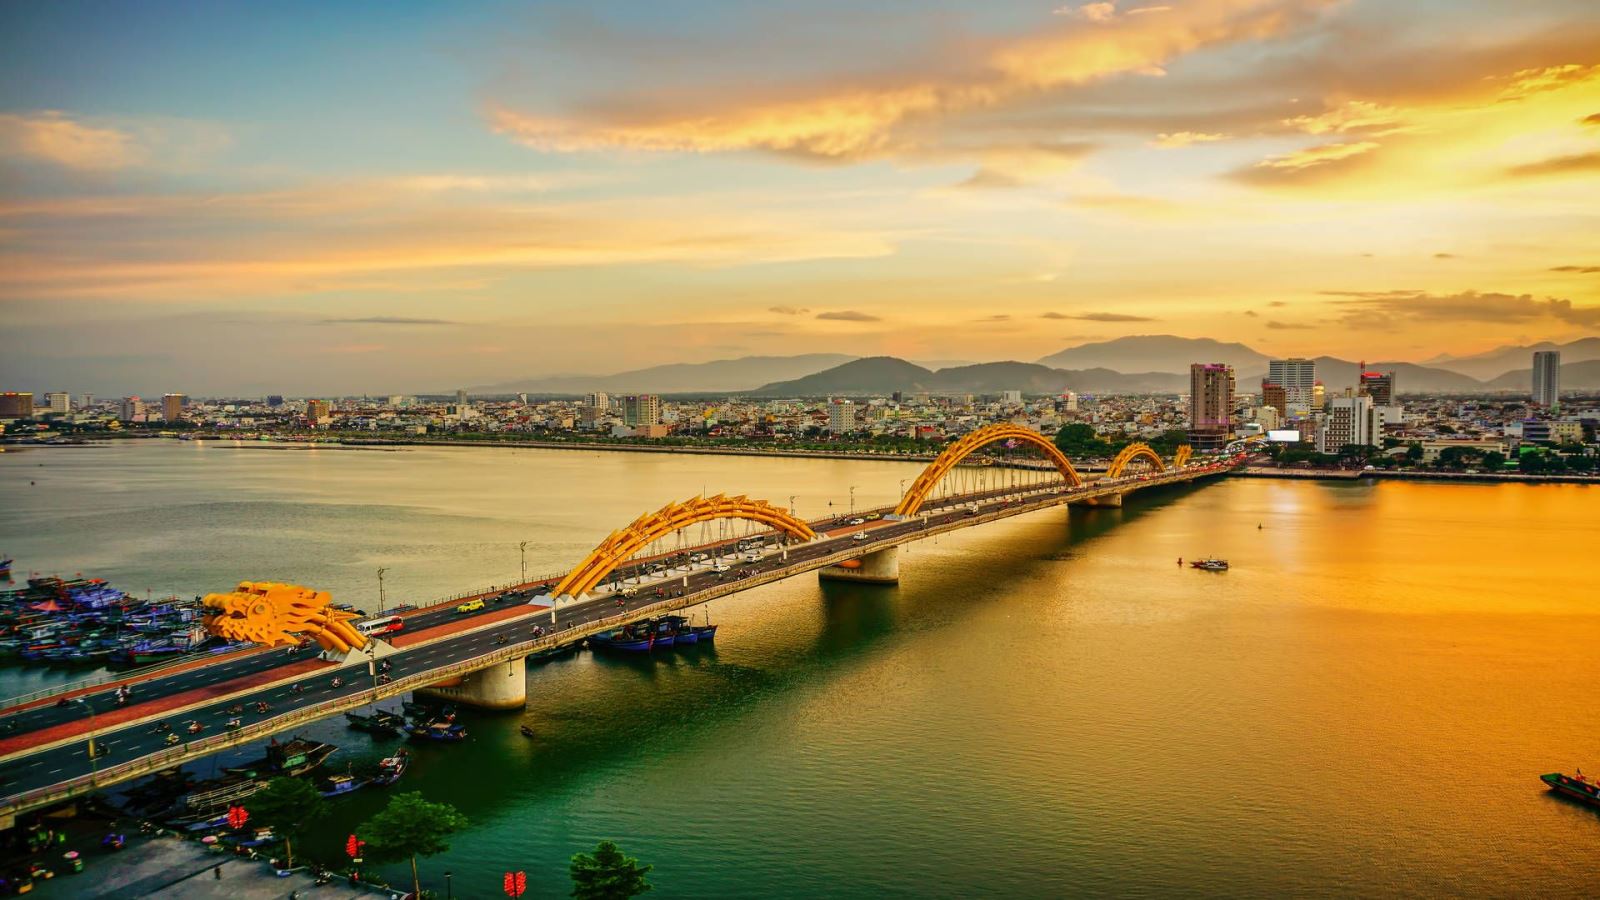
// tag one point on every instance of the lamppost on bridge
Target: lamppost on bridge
(852, 499)
(94, 754)
(380, 588)
(522, 548)
(791, 505)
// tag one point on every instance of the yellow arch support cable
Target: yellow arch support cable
(970, 443)
(1131, 453)
(624, 543)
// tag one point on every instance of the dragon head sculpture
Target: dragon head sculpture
(272, 614)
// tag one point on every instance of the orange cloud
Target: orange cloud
(57, 138)
(861, 121)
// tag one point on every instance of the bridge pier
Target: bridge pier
(501, 686)
(877, 567)
(1112, 500)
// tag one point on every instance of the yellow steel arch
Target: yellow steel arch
(970, 443)
(1181, 458)
(1131, 453)
(623, 544)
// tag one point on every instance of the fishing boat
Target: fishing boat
(5, 566)
(295, 758)
(1210, 564)
(1579, 787)
(437, 731)
(527, 731)
(391, 768)
(339, 785)
(381, 722)
(553, 653)
(704, 634)
(622, 640)
(683, 634)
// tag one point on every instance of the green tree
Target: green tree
(1078, 439)
(1494, 461)
(410, 827)
(287, 806)
(608, 874)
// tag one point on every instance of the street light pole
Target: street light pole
(380, 588)
(94, 759)
(523, 549)
(449, 891)
(852, 499)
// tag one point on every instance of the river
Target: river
(1044, 706)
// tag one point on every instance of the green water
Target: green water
(1046, 706)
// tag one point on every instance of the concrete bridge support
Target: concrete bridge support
(501, 686)
(877, 567)
(1112, 500)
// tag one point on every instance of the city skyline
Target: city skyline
(470, 196)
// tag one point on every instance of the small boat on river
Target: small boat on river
(1210, 564)
(1579, 787)
(437, 731)
(391, 768)
(381, 722)
(339, 785)
(623, 640)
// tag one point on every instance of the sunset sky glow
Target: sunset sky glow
(392, 197)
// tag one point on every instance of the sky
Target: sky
(395, 197)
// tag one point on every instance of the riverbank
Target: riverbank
(1409, 475)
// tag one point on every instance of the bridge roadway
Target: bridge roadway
(54, 770)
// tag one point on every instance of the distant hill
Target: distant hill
(872, 375)
(1156, 353)
(1578, 376)
(880, 375)
(731, 375)
(1504, 360)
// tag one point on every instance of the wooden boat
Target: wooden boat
(437, 731)
(339, 785)
(380, 722)
(296, 757)
(1210, 564)
(622, 641)
(391, 768)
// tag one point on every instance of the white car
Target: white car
(858, 521)
(720, 567)
(859, 536)
(752, 556)
(698, 557)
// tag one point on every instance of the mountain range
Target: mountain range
(1135, 364)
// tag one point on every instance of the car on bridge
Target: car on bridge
(859, 536)
(470, 606)
(858, 521)
(721, 567)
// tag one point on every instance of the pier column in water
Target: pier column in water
(1113, 500)
(501, 686)
(877, 567)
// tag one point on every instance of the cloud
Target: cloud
(788, 310)
(861, 120)
(1316, 156)
(848, 315)
(1591, 119)
(1378, 309)
(55, 137)
(1558, 165)
(1288, 326)
(388, 320)
(1252, 313)
(1276, 303)
(1098, 317)
(1444, 256)
(1581, 270)
(1185, 138)
(1001, 317)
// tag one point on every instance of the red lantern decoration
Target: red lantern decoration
(237, 816)
(515, 884)
(352, 846)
